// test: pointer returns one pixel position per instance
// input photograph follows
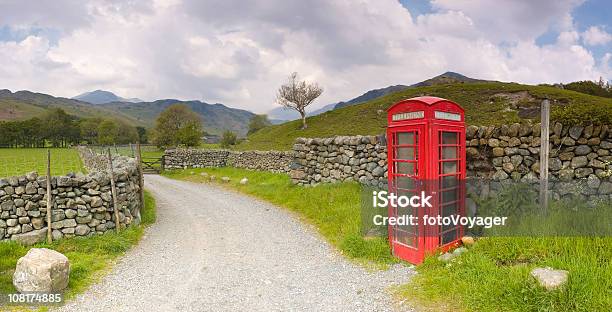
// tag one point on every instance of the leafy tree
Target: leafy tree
(228, 138)
(61, 128)
(126, 133)
(257, 123)
(297, 94)
(177, 125)
(108, 132)
(89, 129)
(143, 136)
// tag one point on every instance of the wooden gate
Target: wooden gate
(152, 165)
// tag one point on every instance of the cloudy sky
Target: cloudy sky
(238, 52)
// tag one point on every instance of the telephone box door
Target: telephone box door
(406, 170)
(448, 171)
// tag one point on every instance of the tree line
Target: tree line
(60, 129)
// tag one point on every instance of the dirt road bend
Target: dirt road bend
(213, 249)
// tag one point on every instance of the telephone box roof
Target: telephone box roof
(429, 100)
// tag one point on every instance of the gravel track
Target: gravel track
(213, 249)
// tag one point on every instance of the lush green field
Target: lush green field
(484, 104)
(334, 209)
(19, 161)
(492, 276)
(90, 257)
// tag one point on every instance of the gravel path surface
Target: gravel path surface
(213, 249)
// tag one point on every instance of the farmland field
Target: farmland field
(19, 161)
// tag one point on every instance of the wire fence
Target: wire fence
(20, 161)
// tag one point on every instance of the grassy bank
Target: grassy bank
(90, 257)
(19, 161)
(484, 103)
(492, 276)
(334, 209)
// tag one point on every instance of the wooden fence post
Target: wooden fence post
(113, 190)
(140, 176)
(544, 141)
(49, 202)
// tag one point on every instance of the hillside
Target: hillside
(215, 117)
(22, 105)
(488, 103)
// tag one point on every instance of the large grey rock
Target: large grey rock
(549, 278)
(31, 238)
(42, 270)
(82, 230)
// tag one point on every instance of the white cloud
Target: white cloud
(596, 36)
(237, 53)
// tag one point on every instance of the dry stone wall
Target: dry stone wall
(494, 154)
(273, 161)
(82, 204)
(341, 158)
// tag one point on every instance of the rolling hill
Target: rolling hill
(215, 117)
(22, 105)
(485, 103)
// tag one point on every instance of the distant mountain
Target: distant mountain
(370, 95)
(102, 97)
(216, 118)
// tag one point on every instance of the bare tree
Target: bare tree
(296, 94)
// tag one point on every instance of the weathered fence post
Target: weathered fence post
(49, 202)
(163, 162)
(140, 176)
(113, 190)
(544, 141)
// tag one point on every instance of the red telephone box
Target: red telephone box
(426, 153)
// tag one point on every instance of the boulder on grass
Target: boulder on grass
(244, 181)
(42, 270)
(549, 278)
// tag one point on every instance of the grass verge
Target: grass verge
(90, 257)
(334, 209)
(494, 276)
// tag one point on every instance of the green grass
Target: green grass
(494, 276)
(334, 209)
(19, 161)
(90, 257)
(478, 100)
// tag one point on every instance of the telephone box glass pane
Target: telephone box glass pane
(449, 237)
(406, 183)
(450, 138)
(405, 153)
(404, 168)
(448, 167)
(449, 152)
(405, 138)
(449, 196)
(449, 210)
(448, 181)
